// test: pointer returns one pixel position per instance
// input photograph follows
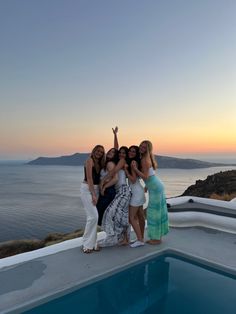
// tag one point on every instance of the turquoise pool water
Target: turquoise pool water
(163, 285)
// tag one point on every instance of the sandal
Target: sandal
(96, 249)
(154, 242)
(86, 251)
(123, 243)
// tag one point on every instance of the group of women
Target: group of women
(113, 196)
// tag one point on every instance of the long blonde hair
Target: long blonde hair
(98, 164)
(150, 153)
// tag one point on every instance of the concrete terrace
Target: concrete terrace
(35, 277)
(31, 282)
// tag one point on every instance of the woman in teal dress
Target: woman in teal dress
(157, 215)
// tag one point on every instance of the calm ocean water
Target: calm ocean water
(37, 200)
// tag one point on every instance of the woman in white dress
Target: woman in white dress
(136, 214)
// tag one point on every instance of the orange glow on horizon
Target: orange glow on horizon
(58, 149)
(164, 143)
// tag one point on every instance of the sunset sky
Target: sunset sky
(162, 70)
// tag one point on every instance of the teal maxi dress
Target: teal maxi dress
(157, 214)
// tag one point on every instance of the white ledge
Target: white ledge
(176, 219)
(199, 219)
(207, 201)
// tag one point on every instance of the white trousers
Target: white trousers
(90, 232)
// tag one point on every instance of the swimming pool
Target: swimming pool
(166, 284)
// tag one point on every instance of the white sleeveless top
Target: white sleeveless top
(138, 196)
(151, 172)
(103, 173)
(121, 178)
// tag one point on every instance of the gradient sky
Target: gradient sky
(70, 70)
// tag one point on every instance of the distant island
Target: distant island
(78, 159)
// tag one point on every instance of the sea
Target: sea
(38, 200)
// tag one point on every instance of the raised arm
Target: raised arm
(115, 131)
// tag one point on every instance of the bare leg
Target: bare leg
(134, 221)
(141, 220)
(125, 240)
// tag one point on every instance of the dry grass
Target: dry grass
(223, 197)
(10, 248)
(14, 247)
(55, 238)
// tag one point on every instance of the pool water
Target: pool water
(163, 285)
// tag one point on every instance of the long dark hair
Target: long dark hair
(115, 159)
(136, 158)
(125, 148)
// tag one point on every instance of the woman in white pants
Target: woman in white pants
(89, 196)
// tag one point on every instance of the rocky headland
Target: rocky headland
(221, 186)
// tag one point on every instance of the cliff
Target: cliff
(221, 185)
(14, 247)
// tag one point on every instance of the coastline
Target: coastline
(14, 247)
(32, 218)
